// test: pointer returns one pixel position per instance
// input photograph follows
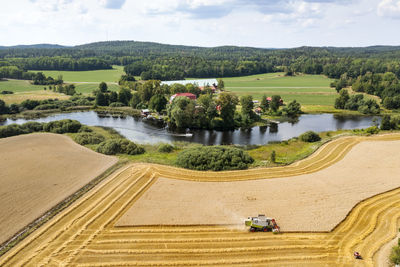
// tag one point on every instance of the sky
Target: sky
(262, 23)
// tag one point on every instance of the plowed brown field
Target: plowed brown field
(85, 234)
(37, 171)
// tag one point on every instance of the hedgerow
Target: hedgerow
(214, 158)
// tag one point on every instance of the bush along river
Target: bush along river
(139, 131)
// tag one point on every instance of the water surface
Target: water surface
(142, 132)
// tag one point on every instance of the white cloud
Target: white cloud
(261, 23)
(112, 4)
(389, 8)
(51, 5)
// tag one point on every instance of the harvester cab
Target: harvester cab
(262, 223)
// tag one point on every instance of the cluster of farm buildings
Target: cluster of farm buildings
(203, 83)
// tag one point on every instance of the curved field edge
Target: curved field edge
(328, 154)
(42, 219)
(81, 244)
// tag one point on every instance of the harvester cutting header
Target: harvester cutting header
(262, 223)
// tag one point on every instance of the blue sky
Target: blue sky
(263, 23)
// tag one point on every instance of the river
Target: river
(138, 131)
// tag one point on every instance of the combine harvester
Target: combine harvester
(262, 223)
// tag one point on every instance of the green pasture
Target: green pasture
(278, 79)
(17, 86)
(306, 89)
(111, 75)
(304, 99)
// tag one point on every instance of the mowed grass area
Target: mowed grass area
(111, 75)
(17, 98)
(25, 90)
(306, 89)
(17, 86)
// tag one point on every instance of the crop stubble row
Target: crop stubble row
(85, 235)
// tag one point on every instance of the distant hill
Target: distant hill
(124, 48)
(42, 46)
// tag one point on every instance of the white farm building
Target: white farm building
(200, 82)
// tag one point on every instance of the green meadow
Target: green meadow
(110, 76)
(18, 86)
(306, 89)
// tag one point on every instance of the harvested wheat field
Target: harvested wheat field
(310, 202)
(86, 234)
(37, 172)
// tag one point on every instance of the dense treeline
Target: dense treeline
(385, 85)
(168, 62)
(356, 102)
(60, 63)
(46, 104)
(13, 72)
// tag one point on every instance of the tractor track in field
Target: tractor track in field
(85, 233)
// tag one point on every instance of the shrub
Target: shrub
(386, 123)
(130, 148)
(33, 126)
(395, 255)
(62, 126)
(372, 130)
(119, 146)
(46, 106)
(30, 104)
(165, 148)
(395, 121)
(7, 92)
(310, 137)
(214, 158)
(109, 147)
(3, 107)
(88, 138)
(116, 104)
(12, 130)
(85, 129)
(273, 156)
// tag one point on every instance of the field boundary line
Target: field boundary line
(99, 229)
(56, 213)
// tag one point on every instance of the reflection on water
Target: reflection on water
(141, 132)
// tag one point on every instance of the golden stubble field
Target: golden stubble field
(85, 234)
(37, 172)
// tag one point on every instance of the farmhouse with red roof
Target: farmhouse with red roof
(188, 95)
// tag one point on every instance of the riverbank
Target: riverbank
(287, 152)
(36, 114)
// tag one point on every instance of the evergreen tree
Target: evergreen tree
(103, 87)
(101, 99)
(386, 123)
(264, 103)
(275, 103)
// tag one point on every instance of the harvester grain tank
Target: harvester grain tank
(262, 223)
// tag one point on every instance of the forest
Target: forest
(169, 62)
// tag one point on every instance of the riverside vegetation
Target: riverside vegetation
(189, 155)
